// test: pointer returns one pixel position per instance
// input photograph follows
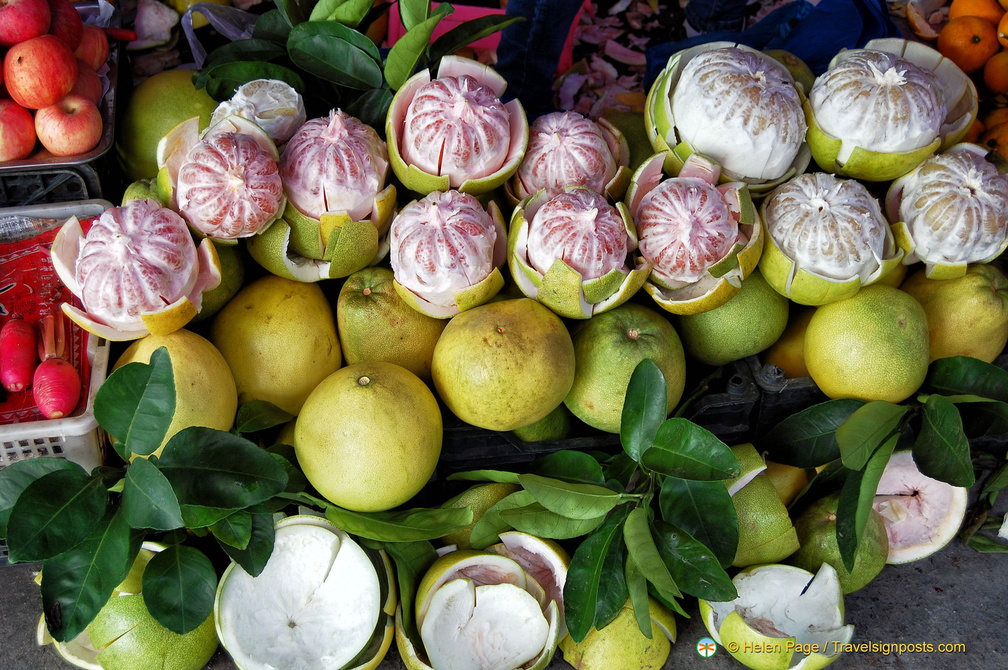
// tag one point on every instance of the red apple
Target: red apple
(22, 20)
(66, 22)
(72, 126)
(88, 83)
(94, 47)
(39, 71)
(17, 131)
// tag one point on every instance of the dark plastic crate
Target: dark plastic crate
(44, 186)
(727, 403)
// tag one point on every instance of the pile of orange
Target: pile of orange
(974, 37)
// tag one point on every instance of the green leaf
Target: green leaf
(78, 582)
(54, 513)
(148, 499)
(501, 476)
(582, 590)
(259, 415)
(637, 587)
(253, 557)
(572, 500)
(273, 26)
(371, 106)
(571, 465)
(987, 545)
(705, 511)
(346, 12)
(488, 527)
(468, 32)
(958, 375)
(414, 12)
(613, 590)
(620, 468)
(645, 407)
(807, 439)
(179, 585)
(333, 52)
(234, 530)
(643, 551)
(247, 50)
(287, 458)
(201, 516)
(855, 503)
(16, 477)
(941, 450)
(865, 429)
(136, 403)
(683, 449)
(291, 11)
(412, 559)
(213, 468)
(224, 79)
(407, 525)
(692, 565)
(535, 519)
(406, 54)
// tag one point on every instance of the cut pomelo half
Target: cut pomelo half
(272, 104)
(921, 514)
(322, 601)
(781, 611)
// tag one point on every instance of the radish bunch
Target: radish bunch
(37, 360)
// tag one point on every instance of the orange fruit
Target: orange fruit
(995, 72)
(996, 138)
(990, 10)
(995, 116)
(1002, 27)
(975, 131)
(968, 41)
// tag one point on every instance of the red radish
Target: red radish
(57, 385)
(18, 353)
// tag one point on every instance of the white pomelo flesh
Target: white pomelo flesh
(921, 514)
(481, 569)
(315, 605)
(488, 627)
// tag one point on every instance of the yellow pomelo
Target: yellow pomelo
(816, 528)
(232, 269)
(480, 498)
(788, 480)
(752, 320)
(157, 105)
(607, 348)
(788, 352)
(369, 436)
(279, 339)
(766, 534)
(556, 425)
(620, 645)
(872, 346)
(205, 392)
(967, 316)
(375, 324)
(504, 364)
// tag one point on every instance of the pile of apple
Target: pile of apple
(50, 88)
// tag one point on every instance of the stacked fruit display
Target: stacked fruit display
(51, 87)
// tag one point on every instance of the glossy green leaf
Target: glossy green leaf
(645, 407)
(213, 468)
(347, 12)
(571, 465)
(535, 519)
(407, 525)
(642, 549)
(987, 545)
(335, 53)
(411, 559)
(965, 375)
(273, 26)
(619, 469)
(807, 439)
(202, 516)
(247, 50)
(259, 415)
(692, 565)
(234, 530)
(179, 585)
(148, 498)
(683, 449)
(256, 553)
(705, 511)
(501, 476)
(941, 450)
(287, 458)
(869, 426)
(136, 403)
(637, 587)
(856, 498)
(291, 11)
(54, 513)
(224, 79)
(16, 477)
(613, 590)
(468, 32)
(570, 499)
(414, 12)
(371, 106)
(488, 527)
(78, 582)
(408, 52)
(582, 590)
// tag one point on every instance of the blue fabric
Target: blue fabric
(814, 33)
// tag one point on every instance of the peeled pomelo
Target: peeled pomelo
(272, 104)
(921, 514)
